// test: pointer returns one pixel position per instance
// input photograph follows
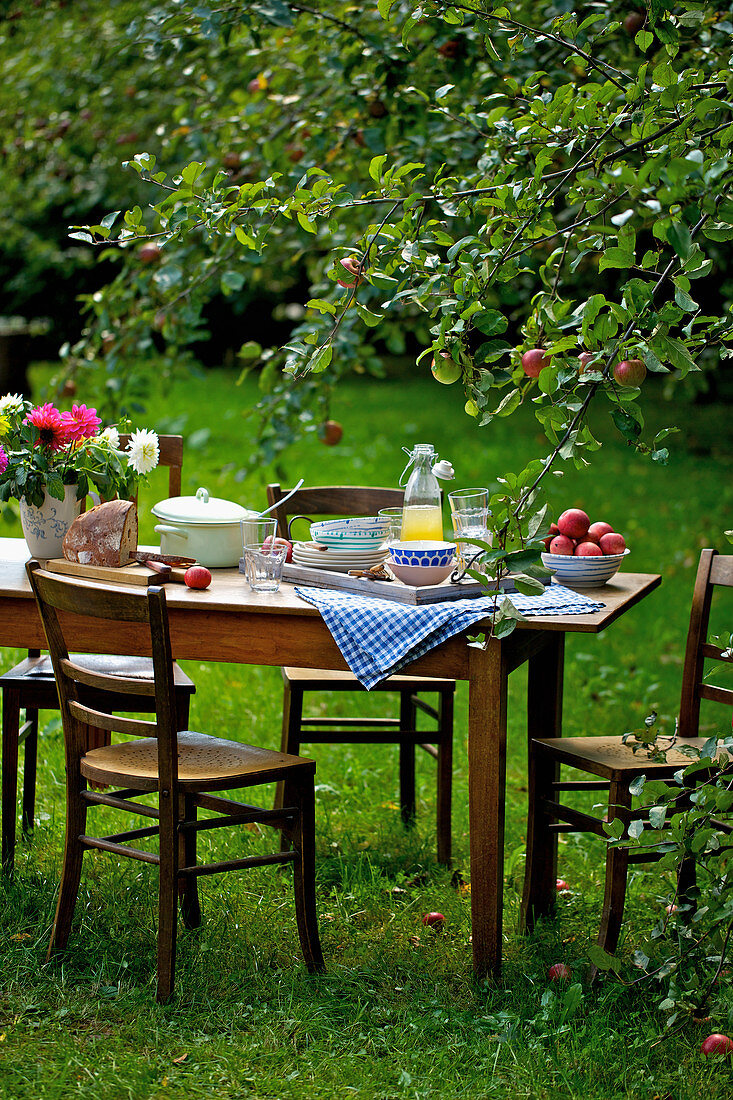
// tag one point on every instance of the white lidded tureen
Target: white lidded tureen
(203, 527)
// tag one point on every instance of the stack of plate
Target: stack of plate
(340, 560)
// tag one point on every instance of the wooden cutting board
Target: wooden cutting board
(136, 573)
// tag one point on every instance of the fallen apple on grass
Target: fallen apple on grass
(559, 972)
(434, 920)
(716, 1044)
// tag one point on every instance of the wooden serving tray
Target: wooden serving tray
(384, 590)
(136, 573)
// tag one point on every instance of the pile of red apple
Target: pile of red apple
(575, 535)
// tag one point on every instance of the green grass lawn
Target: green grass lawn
(397, 1015)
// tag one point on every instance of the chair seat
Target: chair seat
(610, 758)
(333, 680)
(204, 763)
(38, 671)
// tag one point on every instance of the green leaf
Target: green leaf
(616, 258)
(626, 424)
(320, 359)
(375, 167)
(679, 237)
(509, 403)
(601, 959)
(490, 322)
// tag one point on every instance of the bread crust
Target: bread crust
(105, 535)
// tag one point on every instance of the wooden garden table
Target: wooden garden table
(230, 623)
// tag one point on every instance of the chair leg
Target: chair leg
(188, 892)
(445, 776)
(300, 793)
(76, 819)
(167, 896)
(408, 721)
(617, 864)
(11, 730)
(30, 763)
(290, 739)
(540, 871)
(183, 705)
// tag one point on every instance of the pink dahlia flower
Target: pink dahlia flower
(80, 423)
(50, 425)
(3, 460)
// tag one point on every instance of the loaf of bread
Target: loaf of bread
(105, 535)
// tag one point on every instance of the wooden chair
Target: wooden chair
(30, 686)
(364, 501)
(182, 767)
(616, 765)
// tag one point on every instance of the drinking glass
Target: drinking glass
(470, 525)
(469, 500)
(263, 561)
(394, 518)
(263, 566)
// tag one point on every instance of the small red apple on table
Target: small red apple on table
(197, 576)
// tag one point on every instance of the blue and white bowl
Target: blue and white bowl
(583, 572)
(358, 533)
(423, 553)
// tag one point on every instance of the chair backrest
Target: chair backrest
(171, 455)
(58, 597)
(331, 500)
(713, 571)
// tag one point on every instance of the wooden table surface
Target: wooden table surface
(228, 622)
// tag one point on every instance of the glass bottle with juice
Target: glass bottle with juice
(422, 515)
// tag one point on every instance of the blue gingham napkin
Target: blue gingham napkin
(379, 637)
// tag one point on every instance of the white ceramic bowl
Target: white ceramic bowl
(422, 553)
(583, 572)
(420, 575)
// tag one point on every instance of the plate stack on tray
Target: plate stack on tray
(337, 560)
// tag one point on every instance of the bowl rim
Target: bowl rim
(589, 558)
(428, 545)
(351, 521)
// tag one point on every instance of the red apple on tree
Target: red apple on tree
(330, 432)
(633, 23)
(629, 372)
(446, 370)
(352, 266)
(149, 253)
(533, 361)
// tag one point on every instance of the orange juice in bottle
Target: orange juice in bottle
(422, 516)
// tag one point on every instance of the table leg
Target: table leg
(544, 719)
(487, 719)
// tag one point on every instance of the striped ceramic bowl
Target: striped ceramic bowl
(583, 572)
(359, 533)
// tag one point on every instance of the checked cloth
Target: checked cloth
(379, 637)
